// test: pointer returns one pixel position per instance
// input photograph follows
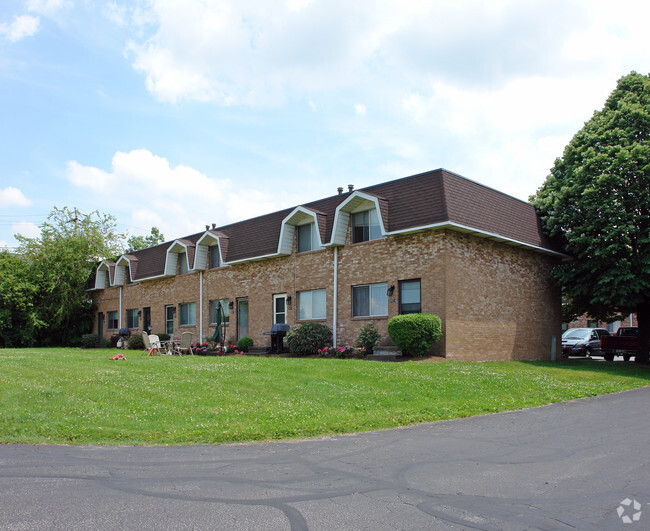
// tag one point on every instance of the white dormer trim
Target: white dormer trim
(299, 216)
(171, 261)
(120, 271)
(357, 202)
(202, 250)
(103, 275)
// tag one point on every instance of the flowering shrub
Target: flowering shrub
(342, 352)
(199, 348)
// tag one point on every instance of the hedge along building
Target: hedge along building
(432, 243)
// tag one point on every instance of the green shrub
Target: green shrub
(244, 344)
(307, 338)
(367, 338)
(163, 337)
(135, 342)
(90, 341)
(415, 333)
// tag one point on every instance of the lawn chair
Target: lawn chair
(185, 345)
(150, 349)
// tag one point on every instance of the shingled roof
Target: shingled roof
(436, 199)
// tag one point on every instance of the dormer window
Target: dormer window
(307, 237)
(365, 226)
(215, 259)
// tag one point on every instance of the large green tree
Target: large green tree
(596, 202)
(58, 264)
(18, 316)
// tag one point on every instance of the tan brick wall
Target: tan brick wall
(502, 303)
(495, 301)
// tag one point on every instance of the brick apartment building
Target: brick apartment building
(434, 243)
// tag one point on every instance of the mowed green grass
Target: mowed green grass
(75, 396)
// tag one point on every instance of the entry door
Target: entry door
(242, 318)
(280, 309)
(100, 325)
(169, 320)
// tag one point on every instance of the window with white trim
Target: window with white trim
(307, 237)
(312, 304)
(183, 267)
(215, 259)
(132, 318)
(370, 300)
(225, 306)
(188, 313)
(365, 226)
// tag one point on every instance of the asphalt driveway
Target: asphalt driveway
(575, 465)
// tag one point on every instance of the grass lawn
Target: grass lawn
(75, 396)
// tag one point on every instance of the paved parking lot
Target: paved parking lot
(576, 465)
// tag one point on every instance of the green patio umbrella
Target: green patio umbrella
(218, 334)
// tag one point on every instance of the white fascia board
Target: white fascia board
(254, 258)
(341, 208)
(466, 229)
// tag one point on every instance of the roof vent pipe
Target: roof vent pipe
(207, 227)
(214, 226)
(350, 187)
(340, 190)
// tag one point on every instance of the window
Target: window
(365, 226)
(132, 318)
(311, 304)
(409, 296)
(280, 309)
(307, 237)
(215, 260)
(188, 313)
(225, 307)
(111, 320)
(183, 268)
(369, 300)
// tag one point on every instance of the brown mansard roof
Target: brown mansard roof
(435, 199)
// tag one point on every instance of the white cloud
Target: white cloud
(22, 26)
(360, 109)
(47, 7)
(179, 200)
(11, 196)
(27, 229)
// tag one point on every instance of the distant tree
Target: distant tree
(135, 243)
(58, 265)
(596, 202)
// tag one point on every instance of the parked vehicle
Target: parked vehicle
(582, 341)
(624, 343)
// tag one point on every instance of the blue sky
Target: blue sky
(182, 113)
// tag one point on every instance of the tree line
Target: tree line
(43, 284)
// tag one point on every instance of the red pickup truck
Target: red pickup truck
(624, 343)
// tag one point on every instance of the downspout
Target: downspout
(119, 324)
(335, 297)
(201, 306)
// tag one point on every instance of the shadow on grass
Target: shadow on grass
(622, 368)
